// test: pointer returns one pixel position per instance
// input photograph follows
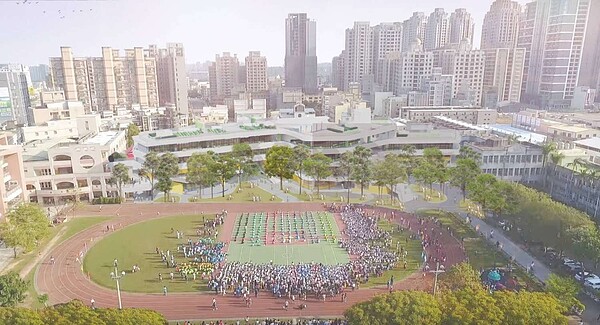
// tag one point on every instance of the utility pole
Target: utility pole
(437, 271)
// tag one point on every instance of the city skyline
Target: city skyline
(256, 27)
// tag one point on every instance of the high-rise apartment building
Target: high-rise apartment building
(223, 76)
(501, 25)
(414, 66)
(437, 30)
(14, 97)
(467, 66)
(413, 29)
(504, 73)
(462, 26)
(387, 38)
(300, 52)
(589, 75)
(505, 62)
(106, 82)
(337, 71)
(553, 32)
(39, 73)
(358, 61)
(256, 73)
(172, 77)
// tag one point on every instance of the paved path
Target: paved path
(65, 280)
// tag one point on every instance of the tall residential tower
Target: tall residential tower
(301, 52)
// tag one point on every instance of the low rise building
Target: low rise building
(61, 170)
(13, 190)
(511, 161)
(473, 115)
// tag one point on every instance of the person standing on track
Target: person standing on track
(93, 303)
(165, 290)
(214, 304)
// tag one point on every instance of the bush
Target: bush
(107, 200)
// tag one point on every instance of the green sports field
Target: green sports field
(286, 238)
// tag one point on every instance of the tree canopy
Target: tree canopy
(168, 168)
(120, 176)
(24, 227)
(318, 166)
(13, 289)
(397, 308)
(132, 130)
(280, 163)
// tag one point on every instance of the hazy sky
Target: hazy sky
(30, 33)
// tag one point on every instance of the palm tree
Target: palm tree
(575, 165)
(547, 149)
(556, 158)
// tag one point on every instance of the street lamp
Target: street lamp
(117, 277)
(437, 271)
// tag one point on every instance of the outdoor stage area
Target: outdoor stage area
(286, 238)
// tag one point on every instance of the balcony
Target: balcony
(63, 192)
(13, 193)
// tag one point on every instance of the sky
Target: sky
(31, 33)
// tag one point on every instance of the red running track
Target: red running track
(64, 280)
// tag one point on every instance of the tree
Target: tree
(21, 316)
(43, 299)
(132, 130)
(379, 175)
(344, 170)
(243, 159)
(465, 172)
(392, 173)
(280, 163)
(24, 227)
(120, 176)
(470, 306)
(13, 289)
(149, 169)
(483, 189)
(362, 172)
(397, 308)
(556, 158)
(524, 308)
(547, 149)
(198, 170)
(223, 168)
(565, 290)
(300, 153)
(167, 169)
(461, 276)
(407, 156)
(318, 166)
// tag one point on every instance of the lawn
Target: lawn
(413, 259)
(308, 227)
(136, 244)
(434, 195)
(173, 198)
(480, 252)
(327, 197)
(243, 194)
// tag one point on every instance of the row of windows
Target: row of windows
(513, 159)
(513, 171)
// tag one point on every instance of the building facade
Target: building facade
(358, 60)
(501, 25)
(223, 77)
(107, 82)
(171, 76)
(14, 97)
(13, 190)
(437, 30)
(256, 73)
(462, 26)
(301, 52)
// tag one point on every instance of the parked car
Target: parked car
(586, 276)
(593, 283)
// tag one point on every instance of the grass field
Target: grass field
(136, 244)
(326, 251)
(413, 259)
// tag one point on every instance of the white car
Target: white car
(593, 283)
(586, 276)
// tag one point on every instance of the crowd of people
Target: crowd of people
(364, 241)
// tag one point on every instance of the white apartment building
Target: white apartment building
(462, 26)
(437, 31)
(56, 111)
(14, 96)
(256, 73)
(553, 34)
(501, 25)
(62, 129)
(413, 67)
(503, 73)
(61, 170)
(172, 77)
(467, 67)
(106, 82)
(358, 60)
(439, 88)
(223, 76)
(387, 38)
(413, 29)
